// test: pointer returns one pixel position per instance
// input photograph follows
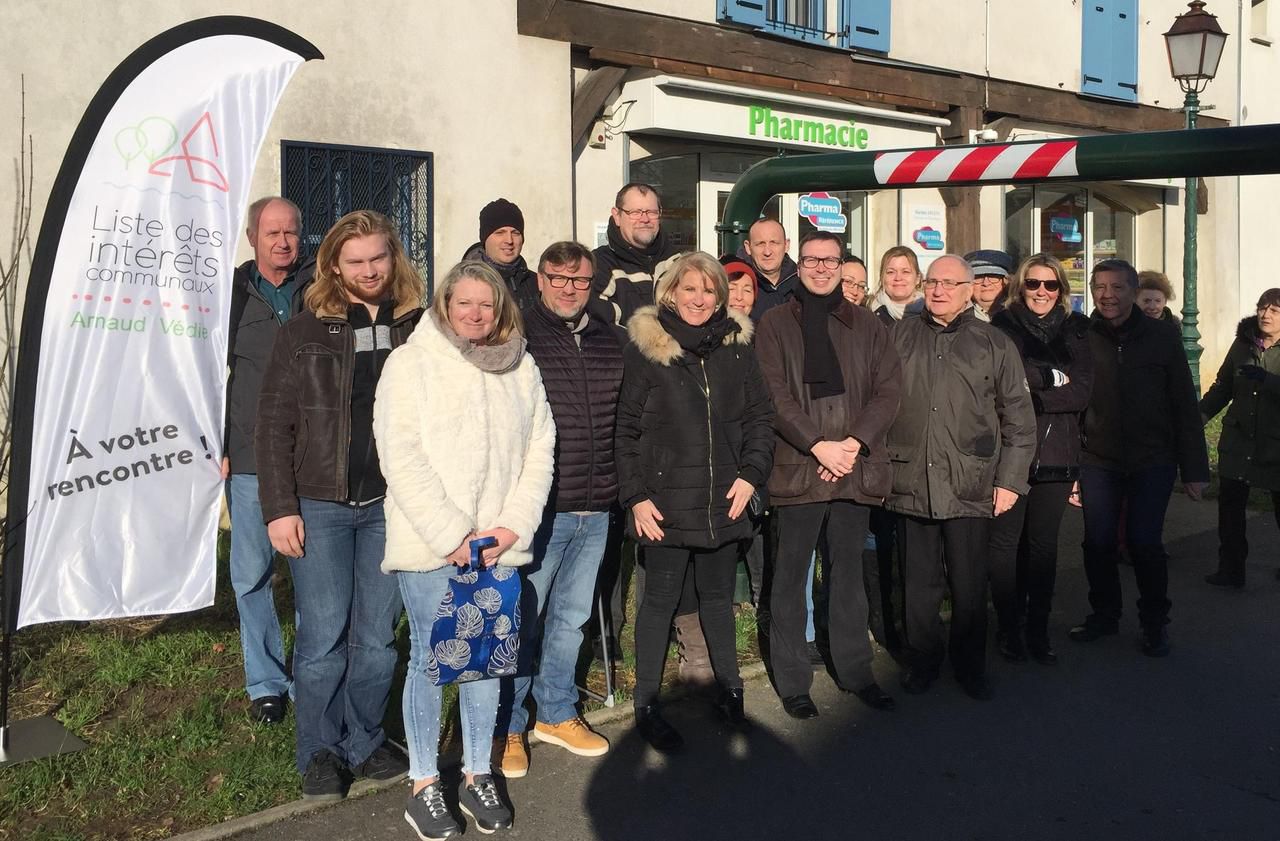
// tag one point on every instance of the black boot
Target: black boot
(729, 706)
(1011, 645)
(655, 730)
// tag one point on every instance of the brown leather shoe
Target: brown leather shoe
(511, 756)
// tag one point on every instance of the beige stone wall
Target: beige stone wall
(453, 79)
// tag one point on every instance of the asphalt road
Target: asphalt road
(1109, 744)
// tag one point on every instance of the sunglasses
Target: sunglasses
(1049, 285)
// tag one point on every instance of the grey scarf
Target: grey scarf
(492, 359)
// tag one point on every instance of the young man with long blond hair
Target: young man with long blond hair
(322, 492)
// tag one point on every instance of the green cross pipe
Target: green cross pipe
(1241, 150)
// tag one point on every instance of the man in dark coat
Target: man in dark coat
(776, 277)
(501, 241)
(834, 377)
(961, 450)
(266, 292)
(1141, 429)
(580, 357)
(637, 253)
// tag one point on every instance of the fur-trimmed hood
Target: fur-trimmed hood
(657, 345)
(1247, 331)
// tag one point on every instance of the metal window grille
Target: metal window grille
(328, 181)
(799, 18)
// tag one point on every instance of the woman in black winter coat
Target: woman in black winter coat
(1054, 345)
(694, 440)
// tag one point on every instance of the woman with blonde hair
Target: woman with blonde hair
(694, 440)
(1054, 344)
(899, 291)
(466, 434)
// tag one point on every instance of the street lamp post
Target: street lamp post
(1194, 43)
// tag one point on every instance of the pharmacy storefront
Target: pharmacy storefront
(693, 138)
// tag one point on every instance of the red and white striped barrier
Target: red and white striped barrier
(997, 162)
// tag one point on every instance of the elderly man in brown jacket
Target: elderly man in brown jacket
(834, 377)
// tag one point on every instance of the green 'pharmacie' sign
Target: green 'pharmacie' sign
(761, 121)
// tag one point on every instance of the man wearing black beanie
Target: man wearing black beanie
(501, 241)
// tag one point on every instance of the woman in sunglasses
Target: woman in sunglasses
(1054, 345)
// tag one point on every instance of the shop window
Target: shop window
(328, 181)
(1109, 49)
(840, 212)
(1076, 225)
(676, 179)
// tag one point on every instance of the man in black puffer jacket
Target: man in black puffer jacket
(636, 255)
(501, 241)
(1142, 428)
(580, 357)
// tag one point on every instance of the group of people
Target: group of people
(696, 402)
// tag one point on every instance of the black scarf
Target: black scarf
(702, 339)
(647, 257)
(1044, 328)
(821, 366)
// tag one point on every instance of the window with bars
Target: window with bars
(327, 181)
(848, 24)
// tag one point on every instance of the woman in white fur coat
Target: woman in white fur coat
(466, 440)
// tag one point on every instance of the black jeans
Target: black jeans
(715, 573)
(883, 580)
(1233, 543)
(1143, 495)
(799, 529)
(937, 553)
(1024, 559)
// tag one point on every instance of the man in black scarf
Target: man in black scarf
(636, 254)
(834, 377)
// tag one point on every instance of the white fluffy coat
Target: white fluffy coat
(462, 450)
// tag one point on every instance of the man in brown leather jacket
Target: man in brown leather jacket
(834, 377)
(322, 490)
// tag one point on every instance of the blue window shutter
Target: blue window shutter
(867, 22)
(1109, 49)
(742, 12)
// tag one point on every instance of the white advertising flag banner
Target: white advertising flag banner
(124, 487)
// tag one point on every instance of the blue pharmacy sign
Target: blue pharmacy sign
(824, 212)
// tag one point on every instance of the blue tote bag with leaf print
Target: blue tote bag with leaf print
(476, 632)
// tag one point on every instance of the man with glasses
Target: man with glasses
(766, 248)
(991, 271)
(834, 377)
(637, 252)
(1141, 429)
(580, 357)
(961, 450)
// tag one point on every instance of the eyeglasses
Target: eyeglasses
(852, 284)
(1049, 285)
(559, 281)
(826, 262)
(949, 285)
(640, 214)
(989, 279)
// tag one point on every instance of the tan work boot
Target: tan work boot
(574, 736)
(695, 661)
(512, 757)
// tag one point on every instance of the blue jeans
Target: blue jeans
(344, 655)
(252, 561)
(477, 699)
(1143, 495)
(558, 589)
